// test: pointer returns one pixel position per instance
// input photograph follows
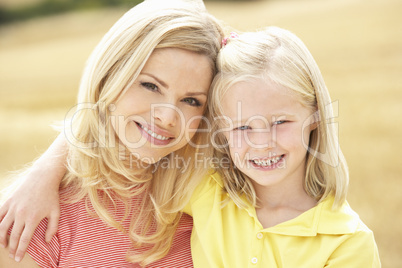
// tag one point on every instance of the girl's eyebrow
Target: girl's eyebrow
(280, 115)
(236, 121)
(259, 117)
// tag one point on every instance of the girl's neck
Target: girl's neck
(280, 203)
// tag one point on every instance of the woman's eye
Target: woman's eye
(242, 128)
(192, 102)
(150, 86)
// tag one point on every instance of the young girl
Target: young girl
(281, 200)
(141, 99)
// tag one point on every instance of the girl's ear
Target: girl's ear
(315, 119)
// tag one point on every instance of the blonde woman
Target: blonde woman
(141, 100)
(280, 201)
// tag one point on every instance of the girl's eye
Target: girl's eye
(279, 122)
(150, 86)
(192, 102)
(243, 128)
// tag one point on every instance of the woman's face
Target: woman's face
(162, 109)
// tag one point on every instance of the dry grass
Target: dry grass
(17, 3)
(357, 44)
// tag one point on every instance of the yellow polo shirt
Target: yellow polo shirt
(231, 237)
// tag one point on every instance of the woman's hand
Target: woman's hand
(35, 198)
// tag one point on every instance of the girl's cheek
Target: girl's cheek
(306, 135)
(238, 149)
(292, 137)
(237, 140)
(236, 157)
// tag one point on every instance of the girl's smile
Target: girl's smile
(268, 139)
(268, 163)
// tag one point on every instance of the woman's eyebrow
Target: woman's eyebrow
(160, 81)
(165, 85)
(196, 93)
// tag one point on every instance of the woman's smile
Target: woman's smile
(156, 136)
(160, 112)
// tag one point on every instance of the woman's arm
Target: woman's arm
(36, 198)
(6, 261)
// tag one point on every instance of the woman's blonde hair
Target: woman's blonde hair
(280, 56)
(98, 168)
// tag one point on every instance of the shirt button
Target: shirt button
(254, 260)
(260, 235)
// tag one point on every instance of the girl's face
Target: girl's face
(161, 111)
(268, 132)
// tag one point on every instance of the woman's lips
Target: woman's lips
(155, 136)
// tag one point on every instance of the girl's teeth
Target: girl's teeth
(153, 134)
(267, 162)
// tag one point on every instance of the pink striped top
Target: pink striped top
(86, 241)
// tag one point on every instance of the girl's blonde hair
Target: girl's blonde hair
(98, 167)
(280, 56)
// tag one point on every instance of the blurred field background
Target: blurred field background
(357, 44)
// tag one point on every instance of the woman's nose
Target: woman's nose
(166, 115)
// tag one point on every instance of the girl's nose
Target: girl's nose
(262, 138)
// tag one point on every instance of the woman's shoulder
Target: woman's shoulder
(83, 234)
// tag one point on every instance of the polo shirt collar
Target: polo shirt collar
(320, 219)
